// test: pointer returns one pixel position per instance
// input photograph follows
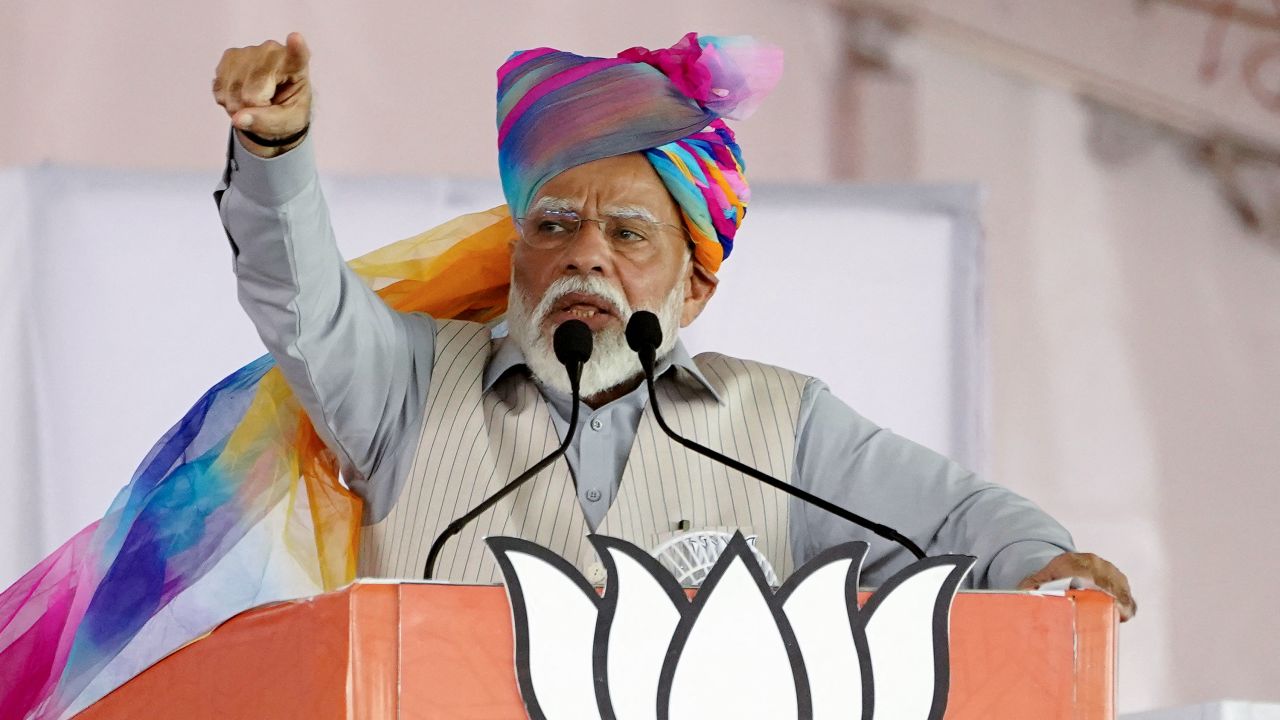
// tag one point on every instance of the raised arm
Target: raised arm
(360, 369)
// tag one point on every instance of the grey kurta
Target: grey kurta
(362, 371)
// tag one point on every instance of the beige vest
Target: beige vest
(473, 442)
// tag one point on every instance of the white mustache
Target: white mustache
(590, 285)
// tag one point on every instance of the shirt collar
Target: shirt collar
(507, 357)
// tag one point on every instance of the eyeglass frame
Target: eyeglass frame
(600, 223)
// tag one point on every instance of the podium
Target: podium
(424, 650)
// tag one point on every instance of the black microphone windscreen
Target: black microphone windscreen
(644, 332)
(572, 342)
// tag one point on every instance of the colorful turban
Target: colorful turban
(557, 110)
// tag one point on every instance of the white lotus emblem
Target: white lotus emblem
(738, 649)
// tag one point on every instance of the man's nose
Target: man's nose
(589, 250)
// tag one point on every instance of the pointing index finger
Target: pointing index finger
(297, 54)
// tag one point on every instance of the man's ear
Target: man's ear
(700, 285)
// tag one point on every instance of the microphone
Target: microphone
(572, 343)
(644, 335)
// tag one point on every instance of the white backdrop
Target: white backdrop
(120, 310)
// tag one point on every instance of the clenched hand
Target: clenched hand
(266, 90)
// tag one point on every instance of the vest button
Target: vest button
(593, 495)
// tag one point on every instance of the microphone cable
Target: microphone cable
(644, 336)
(572, 343)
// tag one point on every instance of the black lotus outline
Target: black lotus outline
(609, 605)
(501, 547)
(689, 610)
(737, 548)
(960, 566)
(856, 553)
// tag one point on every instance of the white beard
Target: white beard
(612, 362)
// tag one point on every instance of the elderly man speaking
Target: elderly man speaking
(625, 190)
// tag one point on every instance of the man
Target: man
(626, 190)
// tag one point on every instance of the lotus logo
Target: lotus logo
(738, 649)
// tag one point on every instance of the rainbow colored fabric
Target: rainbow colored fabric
(557, 110)
(240, 504)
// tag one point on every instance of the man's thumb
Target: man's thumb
(1034, 580)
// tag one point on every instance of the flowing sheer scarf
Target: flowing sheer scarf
(237, 505)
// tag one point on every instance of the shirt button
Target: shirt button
(596, 424)
(593, 495)
(595, 574)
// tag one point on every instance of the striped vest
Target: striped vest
(473, 442)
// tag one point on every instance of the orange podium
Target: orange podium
(426, 650)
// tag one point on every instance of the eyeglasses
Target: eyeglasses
(554, 229)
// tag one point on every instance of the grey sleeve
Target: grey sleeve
(360, 369)
(942, 507)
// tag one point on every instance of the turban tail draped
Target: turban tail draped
(239, 503)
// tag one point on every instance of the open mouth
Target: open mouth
(593, 310)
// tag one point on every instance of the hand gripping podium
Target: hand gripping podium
(428, 650)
